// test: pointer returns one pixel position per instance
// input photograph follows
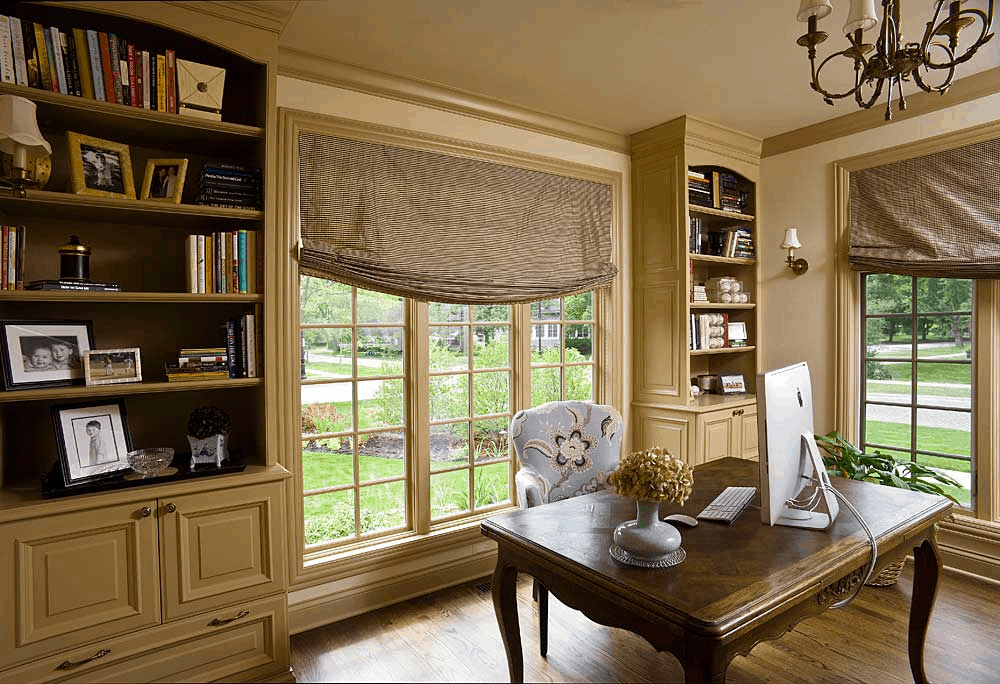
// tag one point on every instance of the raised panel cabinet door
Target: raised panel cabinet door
(221, 547)
(747, 429)
(655, 429)
(74, 578)
(716, 436)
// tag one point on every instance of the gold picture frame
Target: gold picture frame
(99, 167)
(164, 180)
(112, 366)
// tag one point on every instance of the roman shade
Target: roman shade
(936, 215)
(448, 228)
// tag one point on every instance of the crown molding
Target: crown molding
(966, 89)
(270, 15)
(309, 66)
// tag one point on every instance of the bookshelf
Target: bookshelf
(125, 545)
(677, 291)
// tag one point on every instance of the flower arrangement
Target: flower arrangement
(206, 421)
(653, 475)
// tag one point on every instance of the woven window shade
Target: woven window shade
(445, 228)
(936, 215)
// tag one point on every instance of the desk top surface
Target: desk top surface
(733, 574)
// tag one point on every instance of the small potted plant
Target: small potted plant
(207, 432)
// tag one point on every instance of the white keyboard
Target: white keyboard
(729, 505)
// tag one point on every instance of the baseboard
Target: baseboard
(971, 546)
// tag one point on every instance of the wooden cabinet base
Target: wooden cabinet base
(245, 642)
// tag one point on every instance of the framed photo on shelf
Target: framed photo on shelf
(164, 180)
(93, 441)
(111, 366)
(99, 167)
(737, 332)
(732, 384)
(44, 353)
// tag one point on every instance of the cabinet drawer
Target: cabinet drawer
(251, 647)
(73, 578)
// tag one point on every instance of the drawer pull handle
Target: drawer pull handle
(69, 664)
(216, 622)
(171, 508)
(146, 511)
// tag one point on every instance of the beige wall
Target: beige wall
(799, 312)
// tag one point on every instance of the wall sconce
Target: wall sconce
(20, 138)
(791, 243)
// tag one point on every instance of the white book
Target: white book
(57, 51)
(6, 51)
(248, 323)
(17, 42)
(94, 48)
(123, 70)
(200, 241)
(190, 263)
(12, 258)
(145, 79)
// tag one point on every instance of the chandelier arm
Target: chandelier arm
(826, 93)
(946, 84)
(874, 97)
(984, 37)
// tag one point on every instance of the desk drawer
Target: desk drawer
(251, 647)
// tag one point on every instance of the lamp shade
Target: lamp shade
(791, 239)
(861, 16)
(813, 8)
(19, 128)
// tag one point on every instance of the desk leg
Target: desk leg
(927, 568)
(505, 606)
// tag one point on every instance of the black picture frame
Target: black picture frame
(27, 364)
(93, 441)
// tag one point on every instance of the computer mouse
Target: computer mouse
(682, 519)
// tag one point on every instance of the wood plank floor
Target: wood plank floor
(452, 636)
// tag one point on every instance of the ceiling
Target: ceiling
(621, 65)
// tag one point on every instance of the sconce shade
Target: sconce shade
(813, 8)
(862, 16)
(791, 239)
(19, 128)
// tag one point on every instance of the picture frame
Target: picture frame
(164, 180)
(99, 167)
(44, 353)
(732, 384)
(112, 366)
(737, 333)
(93, 441)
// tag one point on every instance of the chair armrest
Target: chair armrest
(532, 489)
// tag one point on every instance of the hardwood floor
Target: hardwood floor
(452, 636)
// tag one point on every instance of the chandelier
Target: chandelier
(893, 61)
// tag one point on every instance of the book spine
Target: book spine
(201, 263)
(82, 51)
(171, 67)
(201, 358)
(7, 68)
(231, 351)
(251, 333)
(154, 83)
(54, 40)
(146, 99)
(242, 324)
(123, 67)
(161, 83)
(31, 54)
(191, 263)
(217, 262)
(115, 67)
(107, 73)
(251, 261)
(234, 261)
(209, 265)
(44, 70)
(4, 247)
(17, 48)
(19, 268)
(133, 76)
(50, 53)
(72, 68)
(11, 258)
(242, 261)
(260, 262)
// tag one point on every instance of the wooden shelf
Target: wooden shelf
(84, 392)
(698, 209)
(719, 305)
(148, 297)
(724, 350)
(708, 258)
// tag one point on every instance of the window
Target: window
(917, 390)
(562, 367)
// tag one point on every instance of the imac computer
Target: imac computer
(794, 487)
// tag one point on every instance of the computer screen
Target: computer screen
(789, 458)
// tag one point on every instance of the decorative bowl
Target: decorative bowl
(150, 462)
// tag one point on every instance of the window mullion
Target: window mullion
(418, 413)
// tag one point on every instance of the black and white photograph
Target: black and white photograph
(93, 441)
(164, 180)
(100, 167)
(112, 366)
(44, 353)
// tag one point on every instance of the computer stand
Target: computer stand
(813, 519)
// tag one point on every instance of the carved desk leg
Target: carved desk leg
(927, 568)
(505, 606)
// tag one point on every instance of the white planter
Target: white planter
(208, 451)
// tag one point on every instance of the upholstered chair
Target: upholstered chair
(565, 449)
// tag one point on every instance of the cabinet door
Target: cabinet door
(72, 578)
(716, 436)
(746, 429)
(221, 547)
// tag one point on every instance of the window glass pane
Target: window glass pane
(546, 310)
(327, 463)
(449, 445)
(937, 295)
(329, 517)
(545, 350)
(580, 307)
(492, 484)
(545, 385)
(579, 342)
(888, 426)
(492, 348)
(491, 312)
(383, 506)
(945, 384)
(449, 397)
(325, 417)
(491, 439)
(449, 347)
(381, 455)
(945, 337)
(580, 383)
(492, 392)
(327, 353)
(375, 307)
(380, 403)
(947, 432)
(324, 301)
(885, 293)
(447, 313)
(380, 351)
(879, 381)
(449, 493)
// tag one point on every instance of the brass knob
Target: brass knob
(170, 508)
(146, 511)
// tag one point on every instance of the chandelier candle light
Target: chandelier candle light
(894, 61)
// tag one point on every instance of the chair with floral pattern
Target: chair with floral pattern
(565, 449)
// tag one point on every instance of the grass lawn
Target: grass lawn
(943, 440)
(342, 369)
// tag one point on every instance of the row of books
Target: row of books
(716, 189)
(98, 65)
(239, 358)
(224, 184)
(733, 241)
(738, 243)
(225, 262)
(709, 331)
(12, 258)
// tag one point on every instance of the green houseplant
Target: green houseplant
(846, 459)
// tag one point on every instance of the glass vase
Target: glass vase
(647, 536)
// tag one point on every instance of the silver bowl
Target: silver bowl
(150, 462)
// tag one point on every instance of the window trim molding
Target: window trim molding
(610, 386)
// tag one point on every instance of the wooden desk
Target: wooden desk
(739, 585)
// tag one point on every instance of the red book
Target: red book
(109, 82)
(171, 82)
(5, 262)
(135, 94)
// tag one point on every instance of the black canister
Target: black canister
(74, 260)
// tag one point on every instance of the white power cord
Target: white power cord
(871, 541)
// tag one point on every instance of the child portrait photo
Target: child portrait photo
(44, 353)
